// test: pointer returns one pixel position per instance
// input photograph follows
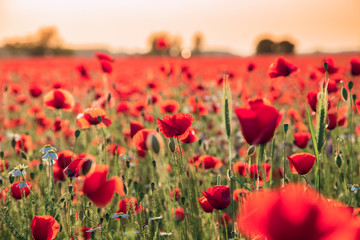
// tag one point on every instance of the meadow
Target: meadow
(264, 147)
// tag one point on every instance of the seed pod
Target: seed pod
(172, 145)
(338, 161)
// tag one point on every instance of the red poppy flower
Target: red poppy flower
(99, 190)
(83, 71)
(106, 66)
(169, 106)
(35, 90)
(103, 56)
(178, 213)
(208, 162)
(293, 212)
(301, 139)
(176, 125)
(140, 138)
(240, 168)
(250, 67)
(205, 205)
(258, 123)
(177, 194)
(80, 166)
(135, 126)
(116, 149)
(59, 99)
(24, 143)
(191, 137)
(64, 159)
(123, 107)
(331, 66)
(129, 204)
(281, 67)
(20, 190)
(218, 196)
(333, 120)
(90, 117)
(265, 169)
(44, 227)
(301, 163)
(4, 164)
(355, 66)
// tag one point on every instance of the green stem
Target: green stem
(259, 160)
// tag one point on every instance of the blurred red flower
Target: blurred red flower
(90, 117)
(169, 106)
(294, 212)
(20, 190)
(59, 99)
(301, 163)
(99, 190)
(208, 162)
(301, 139)
(129, 204)
(44, 227)
(176, 125)
(178, 213)
(281, 68)
(355, 66)
(258, 123)
(331, 66)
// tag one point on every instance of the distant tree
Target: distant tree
(198, 43)
(46, 41)
(265, 46)
(285, 47)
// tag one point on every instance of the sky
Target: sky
(231, 25)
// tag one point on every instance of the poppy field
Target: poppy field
(263, 147)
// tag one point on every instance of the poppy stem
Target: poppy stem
(259, 160)
(231, 192)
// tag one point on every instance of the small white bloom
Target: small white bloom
(18, 170)
(49, 157)
(47, 148)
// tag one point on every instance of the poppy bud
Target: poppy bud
(11, 179)
(286, 127)
(350, 85)
(344, 94)
(251, 150)
(77, 133)
(338, 161)
(326, 66)
(86, 166)
(2, 155)
(172, 145)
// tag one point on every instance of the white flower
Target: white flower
(47, 148)
(49, 157)
(18, 170)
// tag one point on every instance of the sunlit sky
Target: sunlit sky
(233, 25)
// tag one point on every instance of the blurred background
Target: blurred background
(178, 28)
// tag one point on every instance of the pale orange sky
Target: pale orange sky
(325, 25)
